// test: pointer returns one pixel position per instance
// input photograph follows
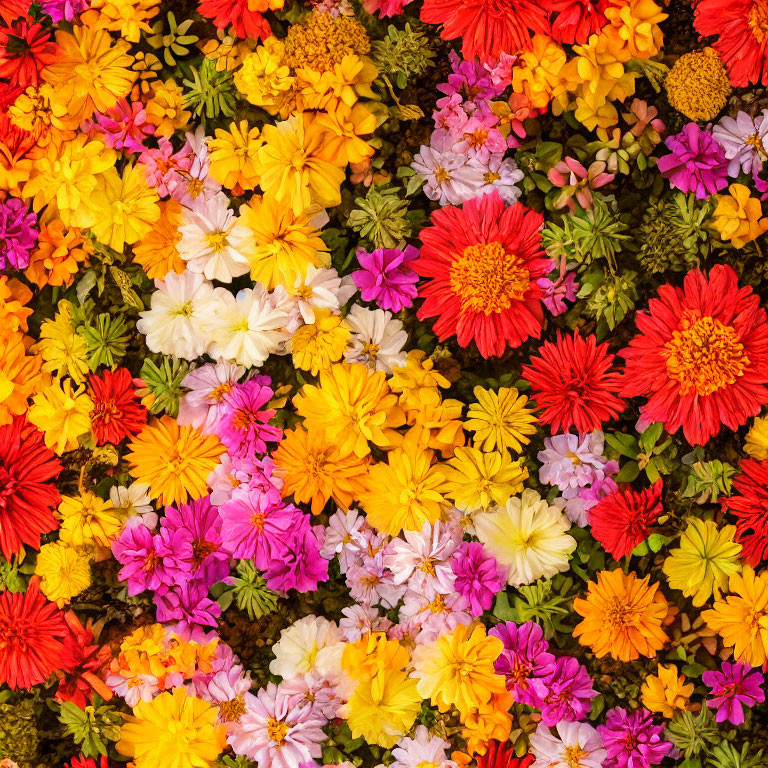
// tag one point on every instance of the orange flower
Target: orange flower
(59, 252)
(19, 377)
(156, 251)
(14, 296)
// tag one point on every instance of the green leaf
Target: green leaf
(502, 609)
(622, 443)
(650, 437)
(628, 472)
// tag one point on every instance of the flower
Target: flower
(88, 521)
(475, 479)
(457, 669)
(316, 345)
(527, 536)
(756, 441)
(34, 633)
(564, 692)
(500, 420)
(157, 253)
(482, 262)
(233, 156)
(59, 252)
(477, 576)
(303, 646)
(704, 561)
(20, 375)
(165, 108)
(116, 413)
(386, 277)
(577, 745)
(62, 414)
(245, 16)
(623, 616)
(576, 20)
(578, 182)
(573, 383)
(632, 740)
(741, 618)
(697, 85)
(203, 404)
(174, 726)
(173, 460)
(665, 692)
(24, 50)
(244, 427)
(27, 495)
(64, 571)
(18, 233)
(738, 216)
(502, 755)
(700, 355)
(736, 685)
(748, 506)
(743, 138)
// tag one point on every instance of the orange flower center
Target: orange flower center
(704, 355)
(618, 614)
(232, 710)
(758, 19)
(488, 279)
(276, 730)
(218, 394)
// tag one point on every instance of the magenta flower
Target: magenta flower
(556, 293)
(577, 182)
(63, 10)
(564, 692)
(478, 576)
(243, 428)
(632, 740)
(124, 126)
(735, 685)
(187, 602)
(164, 168)
(298, 564)
(386, 278)
(18, 233)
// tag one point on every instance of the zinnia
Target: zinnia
(116, 413)
(749, 505)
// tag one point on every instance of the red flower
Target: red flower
(623, 519)
(487, 28)
(751, 510)
(88, 762)
(483, 261)
(573, 384)
(27, 498)
(701, 356)
(13, 9)
(741, 27)
(244, 16)
(116, 413)
(503, 756)
(576, 20)
(32, 634)
(24, 50)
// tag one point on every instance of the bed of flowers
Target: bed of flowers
(383, 383)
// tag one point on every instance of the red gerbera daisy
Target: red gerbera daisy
(32, 634)
(701, 356)
(483, 261)
(500, 755)
(623, 519)
(751, 510)
(573, 384)
(245, 16)
(576, 20)
(741, 27)
(24, 50)
(116, 413)
(27, 498)
(487, 28)
(13, 9)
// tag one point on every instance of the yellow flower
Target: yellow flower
(62, 414)
(233, 156)
(418, 373)
(264, 79)
(353, 406)
(91, 72)
(60, 251)
(404, 492)
(756, 443)
(157, 250)
(19, 377)
(63, 350)
(704, 561)
(457, 669)
(665, 692)
(344, 83)
(738, 216)
(438, 421)
(128, 17)
(323, 40)
(173, 460)
(294, 166)
(741, 619)
(345, 125)
(537, 71)
(64, 571)
(635, 26)
(38, 111)
(174, 729)
(165, 110)
(487, 722)
(475, 479)
(500, 420)
(316, 345)
(14, 297)
(88, 521)
(697, 86)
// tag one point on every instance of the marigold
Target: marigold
(61, 413)
(64, 571)
(316, 345)
(19, 377)
(60, 251)
(157, 251)
(323, 40)
(500, 420)
(623, 616)
(233, 156)
(665, 692)
(697, 86)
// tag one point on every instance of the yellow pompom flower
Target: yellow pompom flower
(741, 618)
(457, 669)
(345, 127)
(665, 692)
(352, 406)
(537, 71)
(88, 521)
(756, 443)
(316, 345)
(294, 164)
(500, 420)
(738, 216)
(62, 414)
(474, 479)
(284, 245)
(697, 86)
(173, 460)
(233, 156)
(264, 78)
(64, 351)
(19, 377)
(64, 571)
(704, 561)
(128, 17)
(157, 251)
(322, 40)
(174, 729)
(165, 110)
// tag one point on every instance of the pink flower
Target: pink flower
(164, 168)
(243, 427)
(578, 181)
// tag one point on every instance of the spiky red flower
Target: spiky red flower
(88, 762)
(576, 20)
(32, 634)
(623, 519)
(750, 508)
(701, 356)
(500, 755)
(25, 49)
(27, 497)
(116, 412)
(482, 262)
(13, 9)
(741, 27)
(245, 16)
(574, 385)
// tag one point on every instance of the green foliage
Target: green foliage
(251, 591)
(725, 755)
(164, 382)
(381, 217)
(175, 41)
(537, 602)
(106, 340)
(692, 734)
(210, 93)
(403, 54)
(707, 480)
(647, 453)
(92, 728)
(609, 298)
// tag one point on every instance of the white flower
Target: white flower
(321, 288)
(343, 538)
(377, 339)
(577, 745)
(212, 242)
(308, 645)
(528, 537)
(173, 323)
(421, 750)
(245, 328)
(134, 501)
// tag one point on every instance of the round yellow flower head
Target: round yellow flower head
(89, 521)
(665, 692)
(756, 444)
(64, 571)
(265, 79)
(157, 251)
(128, 17)
(14, 297)
(165, 110)
(19, 377)
(323, 40)
(537, 71)
(697, 86)
(62, 414)
(233, 156)
(60, 250)
(63, 350)
(738, 216)
(316, 345)
(500, 420)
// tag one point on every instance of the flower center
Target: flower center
(217, 395)
(573, 755)
(232, 710)
(276, 730)
(217, 241)
(757, 19)
(488, 279)
(617, 614)
(704, 355)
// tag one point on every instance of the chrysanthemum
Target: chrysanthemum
(116, 412)
(749, 505)
(482, 262)
(527, 537)
(64, 351)
(174, 461)
(33, 632)
(174, 727)
(701, 355)
(622, 616)
(666, 692)
(316, 345)
(500, 420)
(62, 414)
(64, 571)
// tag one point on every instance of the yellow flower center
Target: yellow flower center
(490, 176)
(573, 755)
(704, 355)
(441, 175)
(437, 605)
(217, 241)
(370, 350)
(218, 393)
(232, 710)
(758, 19)
(488, 279)
(276, 730)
